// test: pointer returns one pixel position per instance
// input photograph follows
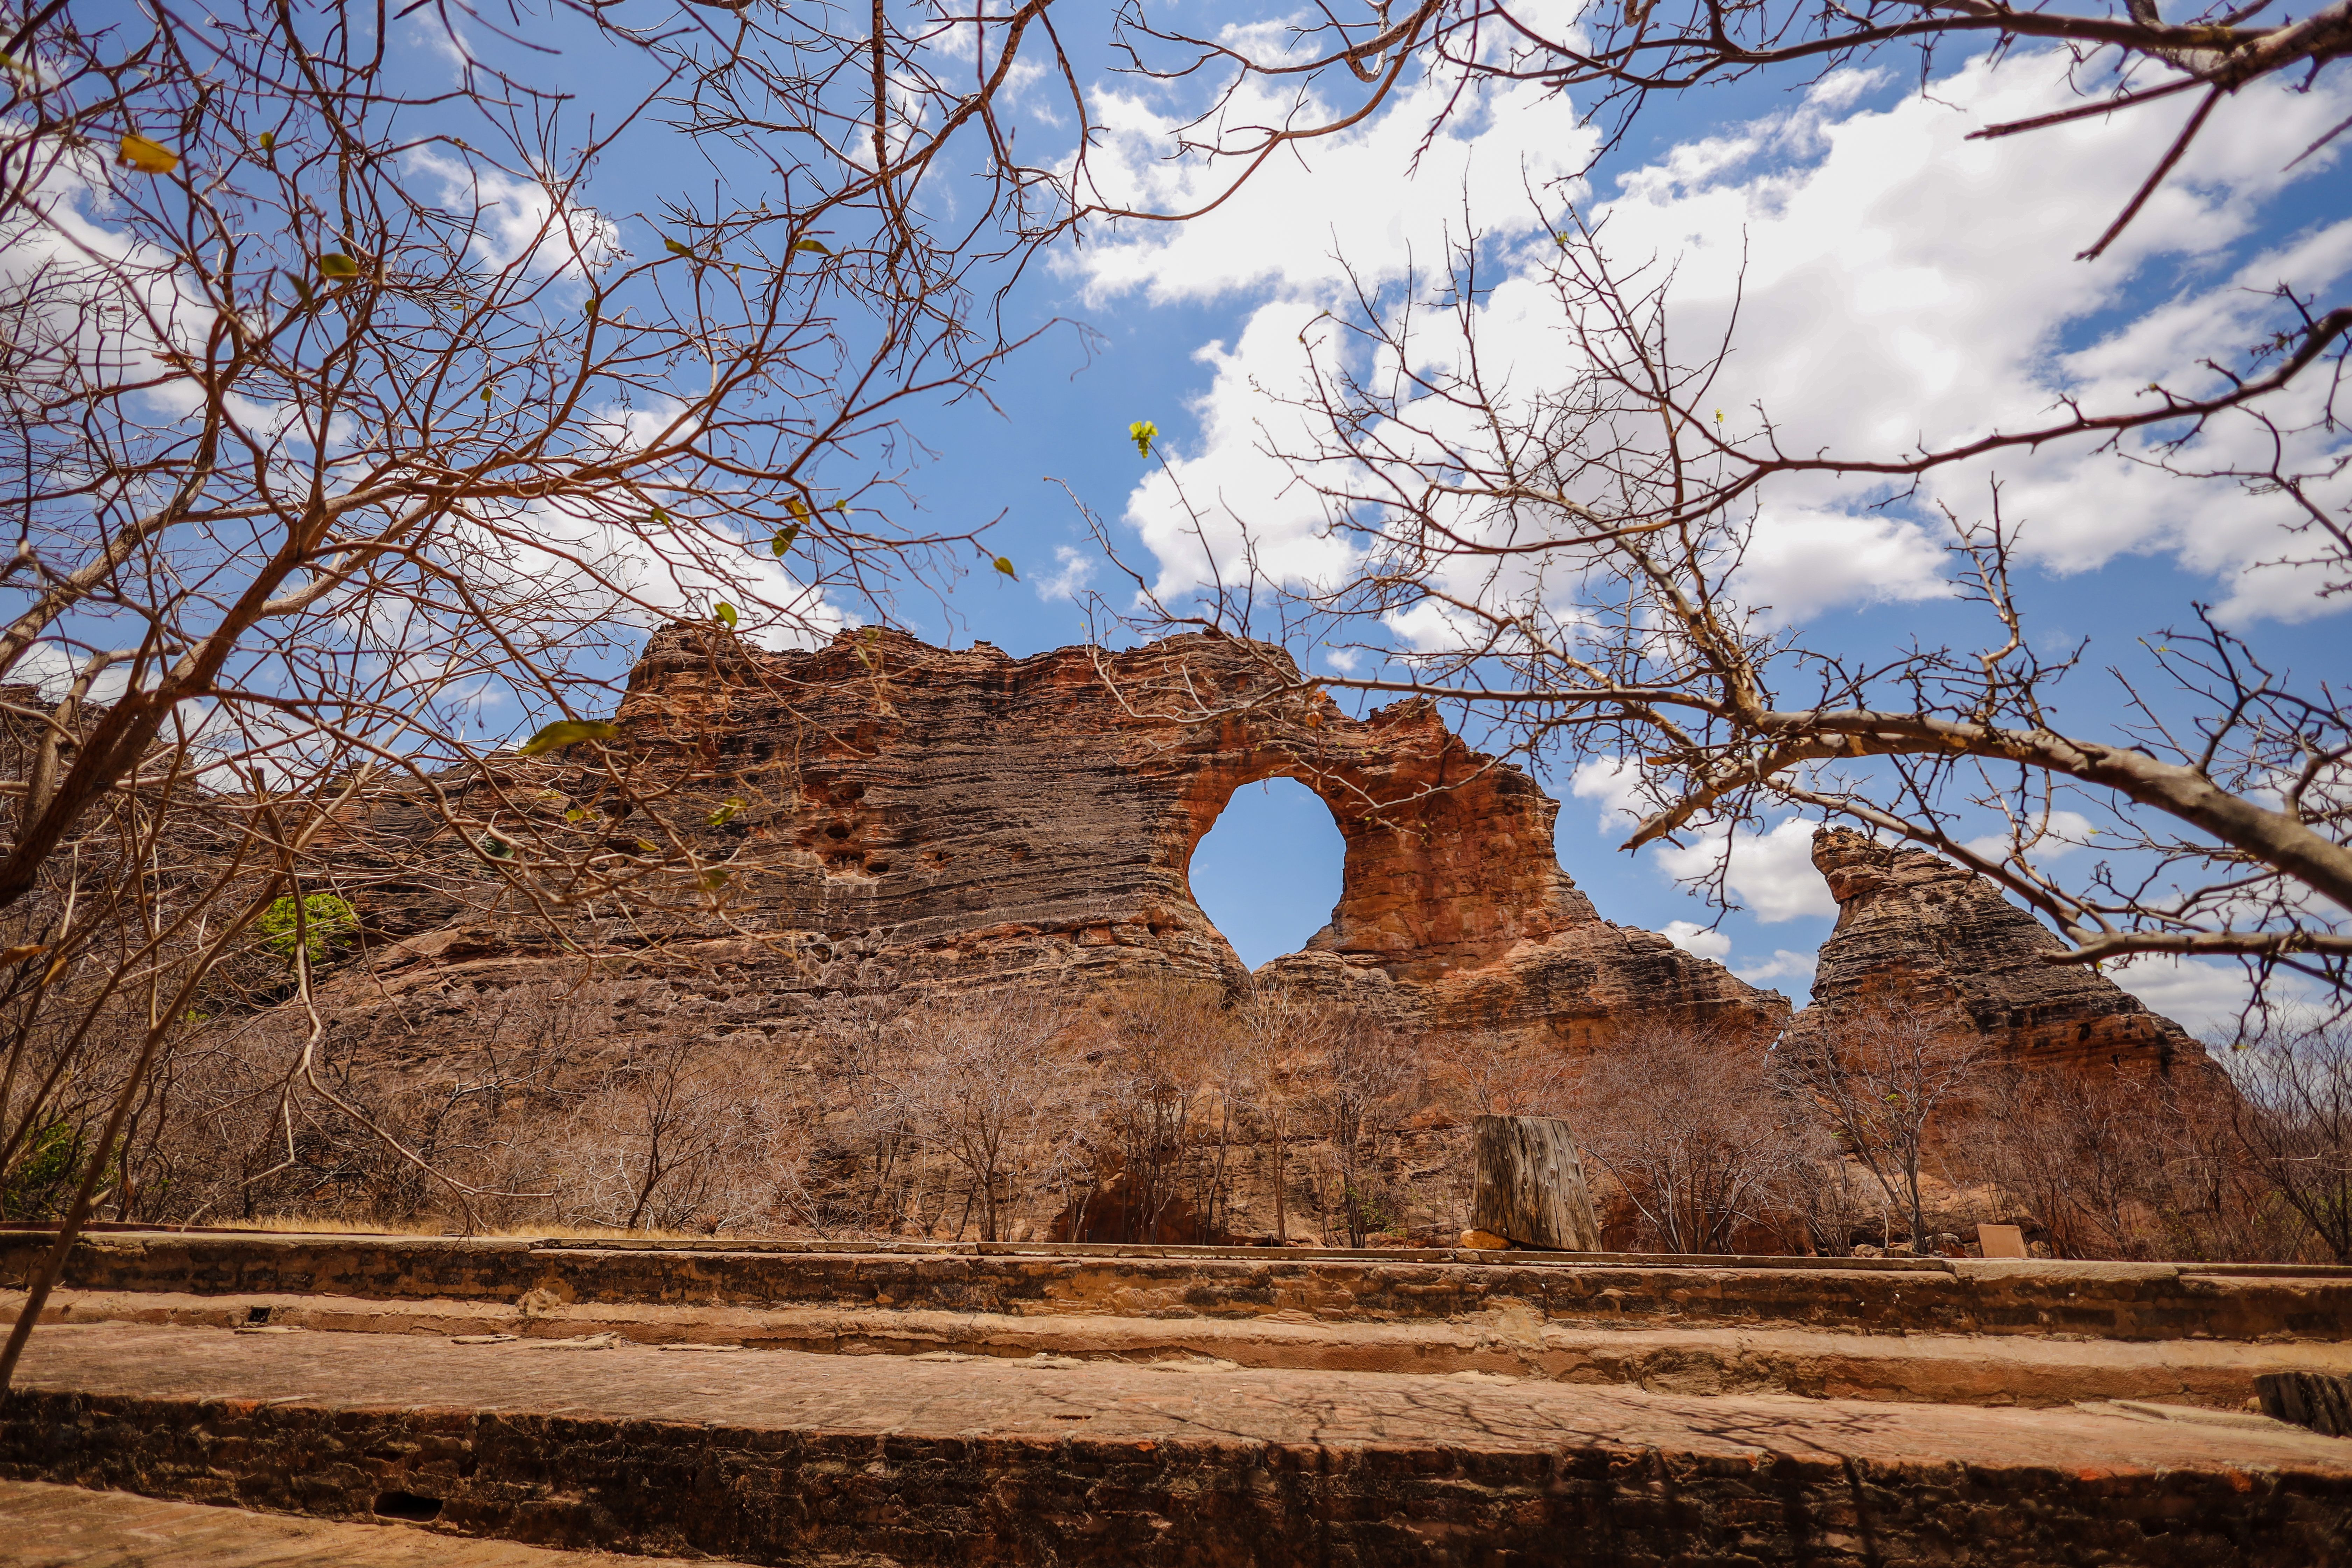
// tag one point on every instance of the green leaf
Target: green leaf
(714, 879)
(841, 506)
(725, 611)
(674, 248)
(1143, 432)
(566, 733)
(783, 542)
(813, 247)
(577, 814)
(496, 848)
(148, 157)
(302, 289)
(1006, 567)
(660, 517)
(719, 818)
(335, 264)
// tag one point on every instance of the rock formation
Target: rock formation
(962, 818)
(1913, 926)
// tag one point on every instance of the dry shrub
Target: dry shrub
(686, 1134)
(2292, 1120)
(1692, 1129)
(1167, 1076)
(984, 1084)
(1882, 1073)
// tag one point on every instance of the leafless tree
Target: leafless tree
(1278, 1034)
(684, 1132)
(1365, 1073)
(1692, 1129)
(340, 417)
(1883, 1074)
(1484, 1074)
(986, 1085)
(1153, 1096)
(2294, 1119)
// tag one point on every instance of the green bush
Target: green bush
(329, 918)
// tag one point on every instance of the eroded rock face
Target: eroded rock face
(1912, 925)
(967, 818)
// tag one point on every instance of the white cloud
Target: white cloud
(1615, 785)
(2201, 995)
(1692, 937)
(518, 221)
(2061, 832)
(1373, 197)
(1896, 284)
(1771, 873)
(1782, 965)
(1072, 570)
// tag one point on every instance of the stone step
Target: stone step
(2125, 1302)
(47, 1526)
(1971, 1369)
(776, 1456)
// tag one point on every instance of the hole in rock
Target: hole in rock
(257, 1314)
(1268, 872)
(408, 1506)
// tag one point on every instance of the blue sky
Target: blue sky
(1900, 282)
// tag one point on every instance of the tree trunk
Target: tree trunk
(1531, 1186)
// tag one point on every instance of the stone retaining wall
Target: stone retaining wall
(2123, 1301)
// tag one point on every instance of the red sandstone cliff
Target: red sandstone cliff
(1916, 926)
(966, 817)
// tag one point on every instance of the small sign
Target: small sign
(2000, 1240)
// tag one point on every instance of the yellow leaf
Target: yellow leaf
(719, 818)
(797, 507)
(714, 879)
(148, 157)
(674, 248)
(726, 614)
(815, 247)
(565, 733)
(660, 518)
(1143, 432)
(577, 814)
(1006, 567)
(335, 264)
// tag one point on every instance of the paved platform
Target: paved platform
(781, 1457)
(44, 1526)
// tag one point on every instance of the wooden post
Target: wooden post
(1531, 1187)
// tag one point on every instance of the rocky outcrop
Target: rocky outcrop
(1915, 927)
(967, 818)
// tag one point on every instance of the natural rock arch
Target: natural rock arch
(971, 818)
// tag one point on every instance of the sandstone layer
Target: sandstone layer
(1916, 927)
(966, 818)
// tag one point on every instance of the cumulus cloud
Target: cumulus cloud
(1072, 570)
(2201, 995)
(1783, 965)
(1692, 937)
(1771, 873)
(1895, 285)
(521, 221)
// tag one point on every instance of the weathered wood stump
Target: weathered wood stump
(1531, 1184)
(2313, 1399)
